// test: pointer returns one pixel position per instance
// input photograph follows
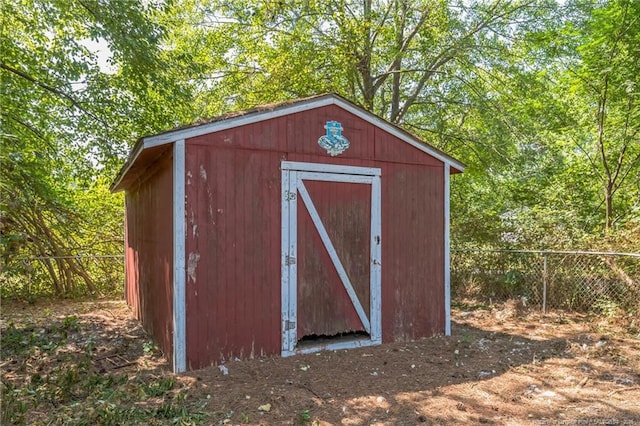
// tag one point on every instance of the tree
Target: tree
(66, 124)
(540, 99)
(437, 68)
(604, 84)
(388, 56)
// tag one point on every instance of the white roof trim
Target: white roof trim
(133, 157)
(241, 120)
(255, 117)
(400, 134)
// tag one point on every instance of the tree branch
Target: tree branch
(51, 89)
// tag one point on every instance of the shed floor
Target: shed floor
(323, 340)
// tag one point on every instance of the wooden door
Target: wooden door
(331, 246)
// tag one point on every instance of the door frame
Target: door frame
(293, 174)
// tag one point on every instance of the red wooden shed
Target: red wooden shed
(289, 228)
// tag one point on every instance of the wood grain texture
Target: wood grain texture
(412, 252)
(233, 254)
(149, 252)
(324, 307)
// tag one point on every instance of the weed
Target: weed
(148, 348)
(304, 416)
(60, 384)
(466, 337)
(70, 323)
(25, 341)
(14, 408)
(607, 308)
(228, 415)
(158, 387)
(468, 304)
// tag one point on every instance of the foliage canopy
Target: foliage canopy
(540, 99)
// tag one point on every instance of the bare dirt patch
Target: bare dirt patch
(500, 366)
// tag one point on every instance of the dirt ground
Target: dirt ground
(502, 365)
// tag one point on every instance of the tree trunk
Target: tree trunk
(364, 61)
(608, 203)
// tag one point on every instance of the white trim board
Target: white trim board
(336, 346)
(376, 258)
(288, 293)
(179, 259)
(330, 168)
(447, 253)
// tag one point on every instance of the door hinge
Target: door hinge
(289, 325)
(289, 196)
(289, 260)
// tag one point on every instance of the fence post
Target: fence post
(544, 283)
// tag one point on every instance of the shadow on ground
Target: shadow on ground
(64, 365)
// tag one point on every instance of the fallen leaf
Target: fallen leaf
(265, 408)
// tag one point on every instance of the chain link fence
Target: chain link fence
(573, 280)
(47, 276)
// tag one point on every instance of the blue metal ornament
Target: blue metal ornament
(333, 141)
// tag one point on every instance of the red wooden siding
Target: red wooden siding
(390, 149)
(233, 252)
(324, 307)
(131, 279)
(304, 129)
(149, 252)
(298, 134)
(268, 135)
(412, 251)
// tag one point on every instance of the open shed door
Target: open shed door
(331, 257)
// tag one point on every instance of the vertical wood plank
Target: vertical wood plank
(413, 273)
(293, 263)
(376, 259)
(447, 254)
(153, 248)
(150, 250)
(285, 270)
(234, 279)
(179, 271)
(333, 255)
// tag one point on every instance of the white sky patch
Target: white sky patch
(100, 48)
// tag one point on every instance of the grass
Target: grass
(49, 377)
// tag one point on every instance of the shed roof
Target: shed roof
(149, 148)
